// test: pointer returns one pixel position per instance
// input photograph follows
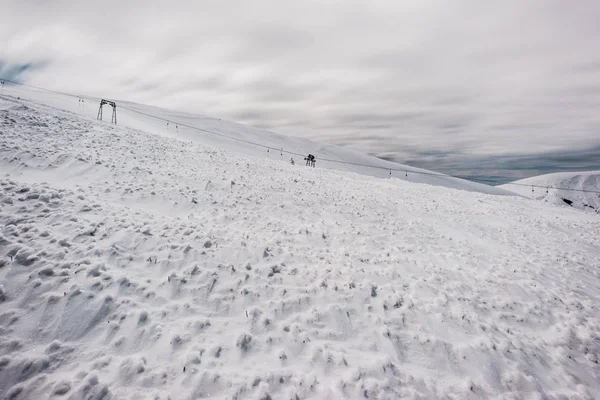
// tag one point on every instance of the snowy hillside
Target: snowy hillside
(580, 189)
(136, 266)
(143, 118)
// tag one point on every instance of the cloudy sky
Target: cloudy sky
(474, 88)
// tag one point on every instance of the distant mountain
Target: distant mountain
(576, 189)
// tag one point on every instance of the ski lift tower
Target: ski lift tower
(114, 110)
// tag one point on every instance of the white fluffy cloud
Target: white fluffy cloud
(437, 78)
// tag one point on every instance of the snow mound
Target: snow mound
(580, 190)
(135, 266)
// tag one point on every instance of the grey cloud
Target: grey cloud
(16, 71)
(502, 169)
(585, 67)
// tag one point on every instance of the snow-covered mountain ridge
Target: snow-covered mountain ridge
(580, 190)
(238, 138)
(136, 266)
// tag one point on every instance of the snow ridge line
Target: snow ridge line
(281, 150)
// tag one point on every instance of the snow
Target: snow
(580, 190)
(137, 265)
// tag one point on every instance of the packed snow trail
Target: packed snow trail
(135, 266)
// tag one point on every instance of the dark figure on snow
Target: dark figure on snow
(310, 160)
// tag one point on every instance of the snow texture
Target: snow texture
(140, 266)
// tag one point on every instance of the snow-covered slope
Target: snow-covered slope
(577, 189)
(135, 266)
(140, 119)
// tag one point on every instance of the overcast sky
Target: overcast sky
(497, 88)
